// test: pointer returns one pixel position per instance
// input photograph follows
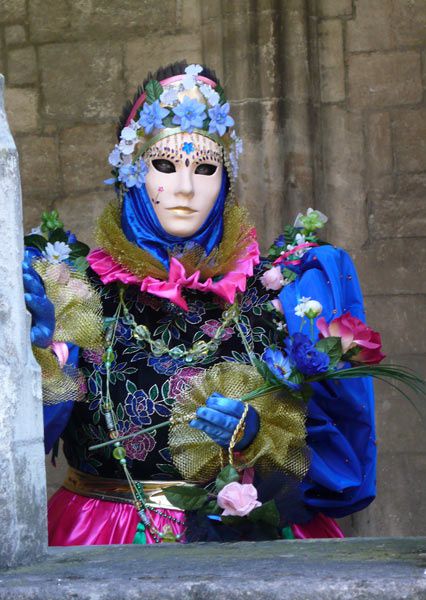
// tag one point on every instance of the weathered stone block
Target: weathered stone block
(212, 45)
(188, 15)
(378, 80)
(400, 497)
(84, 151)
(371, 29)
(344, 193)
(105, 18)
(39, 167)
(91, 205)
(82, 80)
(379, 147)
(334, 8)
(409, 22)
(409, 127)
(22, 65)
(14, 34)
(12, 10)
(392, 266)
(332, 71)
(144, 55)
(211, 10)
(22, 109)
(402, 213)
(398, 319)
(49, 20)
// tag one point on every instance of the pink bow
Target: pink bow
(108, 270)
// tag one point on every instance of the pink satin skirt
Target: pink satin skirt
(75, 520)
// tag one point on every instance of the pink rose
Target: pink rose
(59, 273)
(272, 279)
(212, 325)
(238, 499)
(61, 351)
(277, 305)
(354, 333)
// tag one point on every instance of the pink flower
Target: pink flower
(238, 499)
(138, 447)
(354, 333)
(212, 325)
(61, 351)
(272, 279)
(79, 288)
(276, 303)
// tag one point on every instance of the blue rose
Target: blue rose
(305, 357)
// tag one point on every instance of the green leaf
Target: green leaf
(331, 346)
(131, 387)
(186, 497)
(227, 475)
(165, 389)
(232, 521)
(153, 90)
(169, 469)
(267, 513)
(120, 412)
(81, 264)
(79, 249)
(168, 121)
(219, 89)
(153, 392)
(58, 235)
(35, 241)
(211, 508)
(166, 336)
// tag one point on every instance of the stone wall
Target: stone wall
(329, 97)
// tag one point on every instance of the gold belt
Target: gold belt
(118, 490)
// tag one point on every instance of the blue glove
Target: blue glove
(41, 309)
(220, 417)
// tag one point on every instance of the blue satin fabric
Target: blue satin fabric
(340, 424)
(142, 227)
(56, 416)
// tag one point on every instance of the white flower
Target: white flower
(128, 141)
(313, 309)
(169, 96)
(193, 70)
(36, 231)
(299, 310)
(134, 125)
(208, 92)
(299, 239)
(57, 252)
(114, 158)
(234, 154)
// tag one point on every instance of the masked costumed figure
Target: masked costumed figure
(164, 330)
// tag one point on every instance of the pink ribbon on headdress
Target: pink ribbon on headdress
(164, 82)
(294, 261)
(109, 271)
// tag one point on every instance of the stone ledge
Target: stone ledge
(357, 568)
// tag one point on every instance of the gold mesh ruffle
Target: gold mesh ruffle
(279, 445)
(110, 237)
(78, 308)
(58, 384)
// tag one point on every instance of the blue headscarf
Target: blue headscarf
(142, 227)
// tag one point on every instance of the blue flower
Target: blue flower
(278, 364)
(280, 241)
(165, 365)
(133, 174)
(305, 357)
(188, 147)
(139, 407)
(220, 118)
(189, 114)
(151, 116)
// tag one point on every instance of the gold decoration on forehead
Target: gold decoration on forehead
(180, 146)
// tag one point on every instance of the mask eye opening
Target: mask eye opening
(163, 165)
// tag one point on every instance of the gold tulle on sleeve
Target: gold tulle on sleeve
(279, 445)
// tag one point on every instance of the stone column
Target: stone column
(23, 529)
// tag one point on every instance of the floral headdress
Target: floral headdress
(186, 103)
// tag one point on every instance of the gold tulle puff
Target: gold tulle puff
(78, 320)
(279, 445)
(110, 237)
